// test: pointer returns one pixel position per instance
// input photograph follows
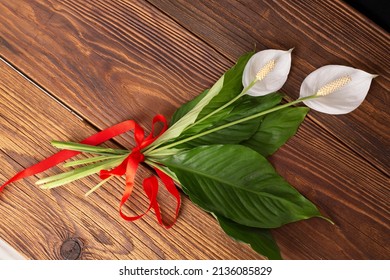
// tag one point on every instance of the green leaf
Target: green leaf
(259, 239)
(246, 106)
(275, 129)
(189, 118)
(238, 183)
(223, 91)
(185, 108)
(232, 86)
(163, 169)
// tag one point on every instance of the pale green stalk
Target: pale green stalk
(98, 186)
(88, 148)
(70, 176)
(89, 160)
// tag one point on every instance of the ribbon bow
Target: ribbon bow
(128, 167)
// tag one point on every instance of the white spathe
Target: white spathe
(344, 98)
(274, 79)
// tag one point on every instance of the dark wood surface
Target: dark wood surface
(80, 66)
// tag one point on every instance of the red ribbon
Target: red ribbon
(128, 167)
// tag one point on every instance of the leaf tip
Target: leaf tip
(54, 142)
(327, 219)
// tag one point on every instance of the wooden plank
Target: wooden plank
(347, 189)
(322, 32)
(104, 50)
(37, 222)
(106, 61)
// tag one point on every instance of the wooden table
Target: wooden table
(70, 68)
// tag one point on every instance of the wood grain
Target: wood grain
(113, 60)
(346, 188)
(38, 222)
(113, 57)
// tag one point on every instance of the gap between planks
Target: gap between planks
(45, 91)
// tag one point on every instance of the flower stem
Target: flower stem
(276, 108)
(225, 105)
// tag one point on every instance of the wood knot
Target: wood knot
(71, 249)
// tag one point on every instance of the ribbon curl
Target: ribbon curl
(128, 167)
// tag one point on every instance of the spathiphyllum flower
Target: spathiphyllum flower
(267, 70)
(335, 89)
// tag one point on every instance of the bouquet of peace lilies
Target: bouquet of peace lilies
(216, 147)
